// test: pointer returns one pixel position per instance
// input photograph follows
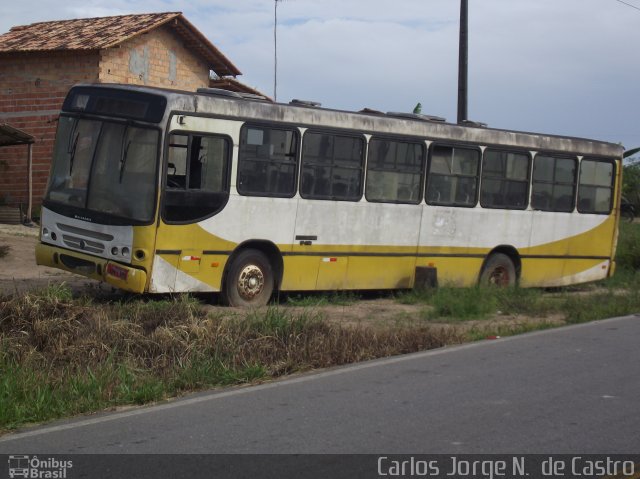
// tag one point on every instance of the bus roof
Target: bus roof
(230, 105)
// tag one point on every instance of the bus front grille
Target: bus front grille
(83, 244)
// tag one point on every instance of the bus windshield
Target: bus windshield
(106, 167)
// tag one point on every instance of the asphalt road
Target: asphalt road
(563, 391)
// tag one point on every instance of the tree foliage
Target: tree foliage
(631, 178)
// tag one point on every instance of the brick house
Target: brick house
(41, 61)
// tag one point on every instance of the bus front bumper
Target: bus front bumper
(117, 274)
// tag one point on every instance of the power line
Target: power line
(628, 4)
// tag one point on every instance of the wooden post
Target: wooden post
(27, 219)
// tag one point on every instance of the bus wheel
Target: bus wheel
(498, 271)
(249, 280)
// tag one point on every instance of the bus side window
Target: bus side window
(197, 183)
(553, 186)
(453, 176)
(177, 161)
(505, 179)
(394, 171)
(267, 161)
(595, 191)
(332, 166)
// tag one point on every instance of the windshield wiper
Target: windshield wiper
(72, 153)
(123, 160)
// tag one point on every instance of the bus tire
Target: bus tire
(498, 270)
(249, 280)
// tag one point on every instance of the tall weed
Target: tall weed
(61, 356)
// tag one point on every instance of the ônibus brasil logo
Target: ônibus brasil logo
(36, 468)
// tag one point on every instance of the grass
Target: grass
(601, 305)
(62, 356)
(4, 250)
(455, 305)
(628, 250)
(489, 331)
(335, 298)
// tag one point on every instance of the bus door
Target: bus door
(196, 188)
(330, 215)
(322, 238)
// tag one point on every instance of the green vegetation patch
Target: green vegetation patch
(335, 298)
(454, 305)
(628, 250)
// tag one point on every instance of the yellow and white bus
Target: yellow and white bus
(163, 191)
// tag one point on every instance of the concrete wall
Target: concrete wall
(33, 87)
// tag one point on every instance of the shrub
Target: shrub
(628, 251)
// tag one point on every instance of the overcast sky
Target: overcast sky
(568, 67)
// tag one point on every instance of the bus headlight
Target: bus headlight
(124, 251)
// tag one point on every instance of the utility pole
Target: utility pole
(463, 61)
(275, 51)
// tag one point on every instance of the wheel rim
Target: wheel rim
(250, 282)
(500, 276)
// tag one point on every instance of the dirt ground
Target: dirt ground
(18, 270)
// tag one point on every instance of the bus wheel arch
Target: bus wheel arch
(501, 267)
(252, 273)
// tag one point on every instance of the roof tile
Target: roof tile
(105, 32)
(81, 34)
